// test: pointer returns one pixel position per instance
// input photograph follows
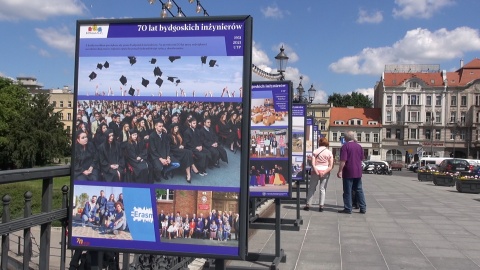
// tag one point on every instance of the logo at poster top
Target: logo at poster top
(94, 30)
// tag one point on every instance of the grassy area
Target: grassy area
(17, 191)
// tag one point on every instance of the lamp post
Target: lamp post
(431, 121)
(300, 98)
(282, 60)
(455, 133)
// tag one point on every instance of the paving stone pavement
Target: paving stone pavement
(408, 225)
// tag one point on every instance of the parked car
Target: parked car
(396, 165)
(456, 165)
(413, 167)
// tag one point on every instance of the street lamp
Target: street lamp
(430, 121)
(282, 60)
(455, 133)
(299, 98)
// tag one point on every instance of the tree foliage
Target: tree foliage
(355, 99)
(31, 134)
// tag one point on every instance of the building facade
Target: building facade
(62, 101)
(321, 117)
(428, 111)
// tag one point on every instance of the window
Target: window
(413, 100)
(413, 133)
(388, 134)
(463, 101)
(477, 100)
(398, 133)
(414, 85)
(389, 100)
(323, 113)
(69, 104)
(359, 137)
(399, 100)
(428, 134)
(462, 117)
(438, 100)
(437, 134)
(69, 116)
(452, 117)
(389, 116)
(375, 137)
(414, 116)
(61, 104)
(359, 122)
(429, 100)
(342, 134)
(165, 195)
(351, 122)
(398, 116)
(453, 100)
(54, 103)
(322, 126)
(428, 117)
(453, 134)
(367, 137)
(334, 136)
(60, 115)
(438, 117)
(462, 135)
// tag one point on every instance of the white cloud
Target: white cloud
(418, 46)
(15, 10)
(273, 12)
(423, 9)
(364, 91)
(58, 38)
(365, 17)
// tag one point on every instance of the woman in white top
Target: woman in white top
(322, 164)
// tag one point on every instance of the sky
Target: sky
(338, 46)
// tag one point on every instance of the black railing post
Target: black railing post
(27, 239)
(6, 237)
(46, 229)
(63, 248)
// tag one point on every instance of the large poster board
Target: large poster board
(158, 163)
(270, 143)
(299, 112)
(308, 142)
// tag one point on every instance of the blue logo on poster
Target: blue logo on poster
(139, 213)
(342, 140)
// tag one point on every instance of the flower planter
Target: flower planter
(467, 186)
(443, 180)
(425, 176)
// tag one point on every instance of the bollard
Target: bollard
(27, 240)
(6, 237)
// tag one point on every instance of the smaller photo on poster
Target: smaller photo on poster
(268, 176)
(268, 143)
(297, 167)
(298, 143)
(265, 113)
(198, 217)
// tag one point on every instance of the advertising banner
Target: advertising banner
(309, 142)
(299, 112)
(270, 140)
(159, 164)
(315, 136)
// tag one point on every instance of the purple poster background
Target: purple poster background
(270, 140)
(299, 112)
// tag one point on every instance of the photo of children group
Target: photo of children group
(268, 143)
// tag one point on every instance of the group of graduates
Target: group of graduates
(216, 226)
(146, 143)
(263, 176)
(107, 214)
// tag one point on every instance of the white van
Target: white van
(431, 161)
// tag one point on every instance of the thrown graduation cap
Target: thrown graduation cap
(92, 75)
(204, 59)
(145, 82)
(212, 63)
(159, 82)
(171, 78)
(131, 91)
(123, 80)
(157, 72)
(106, 64)
(99, 66)
(173, 58)
(177, 82)
(132, 59)
(153, 61)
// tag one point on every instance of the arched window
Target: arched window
(394, 155)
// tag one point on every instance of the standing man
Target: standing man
(350, 169)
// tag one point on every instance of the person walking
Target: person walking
(350, 170)
(322, 164)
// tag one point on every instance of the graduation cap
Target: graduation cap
(212, 63)
(99, 66)
(92, 75)
(153, 61)
(106, 64)
(159, 82)
(177, 82)
(145, 82)
(123, 80)
(173, 58)
(157, 72)
(204, 59)
(171, 78)
(132, 59)
(131, 91)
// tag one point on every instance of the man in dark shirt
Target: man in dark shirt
(159, 153)
(192, 142)
(210, 142)
(350, 169)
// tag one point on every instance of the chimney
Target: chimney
(461, 63)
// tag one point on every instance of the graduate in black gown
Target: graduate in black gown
(85, 165)
(112, 162)
(136, 157)
(178, 150)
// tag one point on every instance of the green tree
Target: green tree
(355, 99)
(31, 134)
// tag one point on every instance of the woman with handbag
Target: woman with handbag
(322, 164)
